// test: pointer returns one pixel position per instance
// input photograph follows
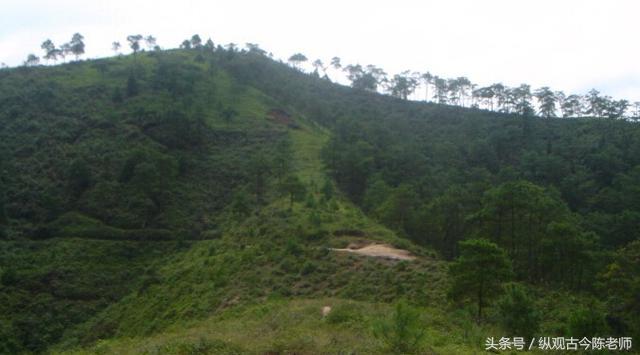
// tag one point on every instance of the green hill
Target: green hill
(189, 202)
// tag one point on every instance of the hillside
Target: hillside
(186, 201)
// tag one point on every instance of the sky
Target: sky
(569, 45)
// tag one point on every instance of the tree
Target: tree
(79, 177)
(297, 59)
(522, 100)
(398, 208)
(547, 100)
(365, 78)
(294, 188)
(319, 65)
(32, 60)
(134, 43)
(463, 86)
(196, 41)
(615, 108)
(427, 80)
(335, 63)
(571, 106)
(441, 88)
(402, 85)
(621, 284)
(486, 96)
(186, 44)
(636, 109)
(209, 46)
(50, 50)
(479, 272)
(115, 47)
(65, 50)
(595, 103)
(255, 48)
(260, 168)
(76, 46)
(402, 332)
(517, 311)
(151, 42)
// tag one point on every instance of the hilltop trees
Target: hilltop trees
(186, 44)
(196, 41)
(115, 47)
(51, 52)
(151, 42)
(209, 46)
(427, 80)
(367, 78)
(76, 46)
(297, 59)
(319, 65)
(32, 60)
(458, 91)
(402, 85)
(547, 100)
(134, 42)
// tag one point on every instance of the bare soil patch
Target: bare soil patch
(377, 250)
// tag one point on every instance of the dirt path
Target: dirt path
(380, 251)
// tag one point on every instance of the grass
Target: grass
(295, 326)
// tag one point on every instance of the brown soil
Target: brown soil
(378, 250)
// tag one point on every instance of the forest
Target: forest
(151, 190)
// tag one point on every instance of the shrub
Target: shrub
(345, 313)
(587, 321)
(9, 277)
(402, 332)
(517, 311)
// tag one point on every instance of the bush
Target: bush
(517, 311)
(9, 277)
(345, 313)
(199, 347)
(587, 321)
(308, 267)
(402, 332)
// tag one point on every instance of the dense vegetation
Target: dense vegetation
(164, 190)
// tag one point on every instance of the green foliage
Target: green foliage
(517, 311)
(478, 273)
(346, 314)
(588, 322)
(172, 146)
(9, 277)
(294, 188)
(132, 85)
(199, 347)
(620, 282)
(327, 190)
(79, 177)
(403, 331)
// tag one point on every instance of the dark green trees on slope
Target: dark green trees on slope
(479, 272)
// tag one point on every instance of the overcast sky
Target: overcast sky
(570, 45)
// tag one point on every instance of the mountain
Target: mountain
(192, 201)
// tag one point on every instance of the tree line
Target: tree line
(460, 91)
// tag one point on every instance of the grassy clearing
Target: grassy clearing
(296, 326)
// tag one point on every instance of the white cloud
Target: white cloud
(571, 45)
